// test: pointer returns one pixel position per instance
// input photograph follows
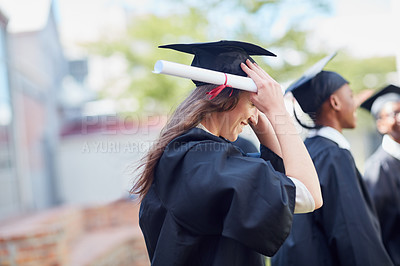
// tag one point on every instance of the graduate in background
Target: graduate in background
(382, 169)
(345, 231)
(204, 202)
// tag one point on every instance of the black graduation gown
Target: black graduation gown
(210, 204)
(385, 192)
(245, 145)
(345, 230)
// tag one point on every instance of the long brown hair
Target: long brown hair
(188, 115)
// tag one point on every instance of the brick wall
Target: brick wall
(100, 235)
(117, 213)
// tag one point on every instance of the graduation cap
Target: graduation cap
(223, 56)
(315, 86)
(376, 102)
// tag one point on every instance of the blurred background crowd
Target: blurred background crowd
(79, 104)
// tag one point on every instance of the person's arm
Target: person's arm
(269, 100)
(266, 134)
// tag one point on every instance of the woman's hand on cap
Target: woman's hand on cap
(269, 97)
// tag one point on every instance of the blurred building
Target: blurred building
(33, 67)
(51, 155)
(9, 200)
(58, 144)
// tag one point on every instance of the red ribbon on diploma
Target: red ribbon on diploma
(214, 92)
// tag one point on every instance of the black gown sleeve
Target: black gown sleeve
(218, 191)
(273, 158)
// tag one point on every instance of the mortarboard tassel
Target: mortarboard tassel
(214, 92)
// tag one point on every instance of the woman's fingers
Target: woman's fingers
(249, 70)
(264, 73)
(259, 76)
(258, 80)
(256, 68)
(269, 96)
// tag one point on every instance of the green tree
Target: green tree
(187, 21)
(154, 93)
(196, 21)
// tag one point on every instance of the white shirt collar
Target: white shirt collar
(390, 146)
(201, 126)
(332, 134)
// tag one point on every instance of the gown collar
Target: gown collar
(201, 126)
(390, 146)
(332, 134)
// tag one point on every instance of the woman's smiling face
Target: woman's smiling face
(233, 121)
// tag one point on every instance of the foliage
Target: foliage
(204, 21)
(363, 73)
(358, 70)
(138, 48)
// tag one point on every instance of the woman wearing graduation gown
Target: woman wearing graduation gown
(345, 231)
(382, 169)
(203, 201)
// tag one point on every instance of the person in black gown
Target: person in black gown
(345, 231)
(204, 201)
(382, 169)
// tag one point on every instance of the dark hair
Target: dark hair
(188, 115)
(313, 117)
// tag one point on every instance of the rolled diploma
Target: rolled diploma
(204, 75)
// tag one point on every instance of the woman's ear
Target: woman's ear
(335, 102)
(383, 125)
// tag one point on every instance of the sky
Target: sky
(363, 28)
